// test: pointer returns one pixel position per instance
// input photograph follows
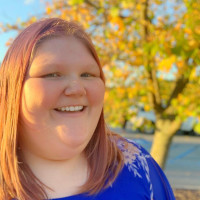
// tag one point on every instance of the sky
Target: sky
(11, 11)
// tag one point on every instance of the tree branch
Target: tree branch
(154, 96)
(156, 90)
(92, 4)
(179, 87)
(181, 83)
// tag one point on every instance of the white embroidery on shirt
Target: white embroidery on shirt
(132, 154)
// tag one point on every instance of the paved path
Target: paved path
(183, 164)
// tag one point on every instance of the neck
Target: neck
(64, 177)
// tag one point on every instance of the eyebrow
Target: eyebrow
(92, 66)
(60, 66)
(57, 67)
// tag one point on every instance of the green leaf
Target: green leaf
(197, 128)
(114, 11)
(75, 2)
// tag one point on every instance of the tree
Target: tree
(138, 46)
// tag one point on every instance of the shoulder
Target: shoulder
(140, 164)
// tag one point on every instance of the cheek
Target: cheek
(96, 93)
(36, 94)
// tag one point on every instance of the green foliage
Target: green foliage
(75, 2)
(197, 128)
(134, 45)
(114, 11)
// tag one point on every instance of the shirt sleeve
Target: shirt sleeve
(161, 187)
(142, 164)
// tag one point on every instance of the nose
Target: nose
(75, 88)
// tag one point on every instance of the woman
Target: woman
(54, 142)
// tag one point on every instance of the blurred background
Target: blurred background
(150, 53)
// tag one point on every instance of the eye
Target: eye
(86, 75)
(52, 75)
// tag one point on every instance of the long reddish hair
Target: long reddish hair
(16, 178)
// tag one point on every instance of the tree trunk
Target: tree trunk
(124, 124)
(159, 149)
(165, 130)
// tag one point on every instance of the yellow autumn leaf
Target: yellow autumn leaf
(197, 126)
(144, 98)
(122, 46)
(126, 4)
(178, 26)
(9, 42)
(106, 95)
(33, 19)
(180, 97)
(192, 43)
(139, 6)
(138, 61)
(132, 92)
(48, 10)
(188, 112)
(147, 107)
(166, 63)
(118, 73)
(197, 30)
(114, 12)
(193, 74)
(188, 31)
(120, 90)
(180, 63)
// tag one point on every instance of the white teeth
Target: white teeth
(77, 108)
(71, 108)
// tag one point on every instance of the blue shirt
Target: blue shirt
(140, 178)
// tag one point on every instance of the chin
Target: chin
(74, 137)
(74, 140)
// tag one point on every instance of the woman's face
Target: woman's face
(62, 99)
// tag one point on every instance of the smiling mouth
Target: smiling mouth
(71, 109)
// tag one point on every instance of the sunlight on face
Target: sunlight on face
(62, 99)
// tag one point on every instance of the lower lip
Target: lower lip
(71, 114)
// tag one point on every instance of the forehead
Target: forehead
(63, 50)
(56, 45)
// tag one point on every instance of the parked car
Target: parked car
(144, 122)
